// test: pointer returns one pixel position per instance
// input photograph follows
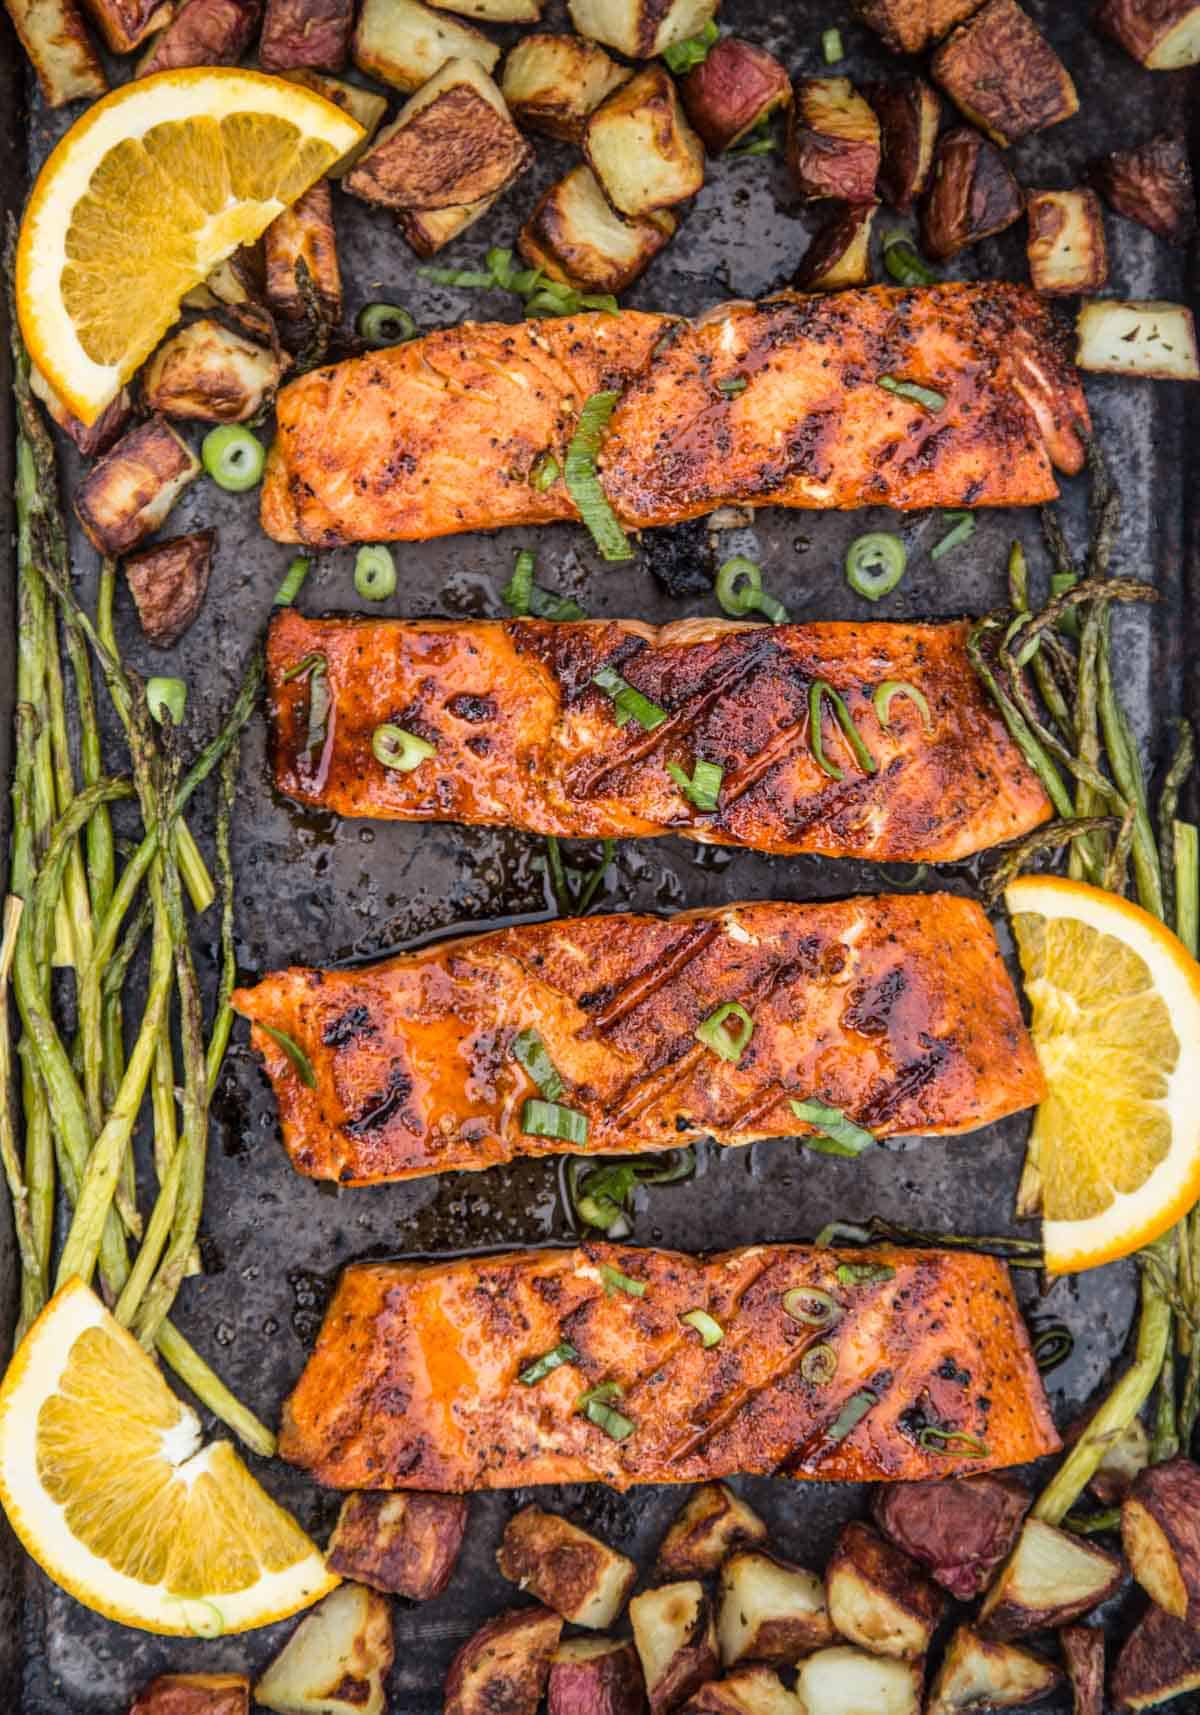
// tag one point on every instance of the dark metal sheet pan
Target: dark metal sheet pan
(312, 889)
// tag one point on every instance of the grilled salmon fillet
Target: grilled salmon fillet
(771, 404)
(896, 1009)
(416, 1377)
(525, 738)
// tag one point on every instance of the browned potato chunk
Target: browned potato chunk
(91, 438)
(979, 1674)
(125, 24)
(552, 83)
(168, 584)
(1160, 1660)
(734, 88)
(504, 1666)
(911, 26)
(336, 1660)
(194, 1694)
(840, 254)
(1066, 247)
(1137, 337)
(878, 1596)
(770, 1610)
(59, 48)
(203, 33)
(972, 194)
(1083, 1652)
(1162, 34)
(960, 1530)
(1052, 1577)
(641, 28)
(406, 1543)
(127, 495)
(595, 1676)
(1003, 75)
(1160, 1532)
(575, 237)
(494, 11)
(749, 1691)
(303, 233)
(676, 1642)
(709, 1527)
(211, 373)
(833, 141)
(845, 1681)
(641, 148)
(579, 1577)
(431, 229)
(403, 42)
(361, 104)
(1151, 184)
(908, 115)
(314, 33)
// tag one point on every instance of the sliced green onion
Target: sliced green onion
(529, 1051)
(851, 1414)
(926, 396)
(397, 748)
(600, 1196)
(838, 1135)
(864, 1273)
(875, 564)
(166, 699)
(952, 1441)
(615, 1281)
(703, 786)
(1053, 1346)
(583, 482)
(709, 1329)
(831, 46)
(596, 1405)
(544, 472)
(890, 689)
(739, 591)
(817, 691)
(813, 1306)
(964, 529)
(682, 56)
(628, 704)
(758, 141)
(311, 663)
(289, 589)
(540, 1368)
(819, 1364)
(301, 1064)
(731, 388)
(544, 604)
(233, 457)
(315, 668)
(837, 1231)
(904, 263)
(716, 1034)
(384, 324)
(517, 590)
(375, 573)
(551, 1119)
(681, 1164)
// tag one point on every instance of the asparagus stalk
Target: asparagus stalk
(32, 1282)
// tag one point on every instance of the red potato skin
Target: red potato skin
(404, 1545)
(1083, 1652)
(194, 1694)
(203, 33)
(899, 107)
(1160, 1659)
(1140, 25)
(311, 33)
(503, 1668)
(961, 1530)
(732, 90)
(972, 194)
(168, 583)
(1151, 184)
(1170, 1495)
(608, 1684)
(828, 166)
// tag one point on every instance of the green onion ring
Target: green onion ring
(596, 1406)
(875, 564)
(397, 748)
(709, 1329)
(702, 788)
(904, 262)
(813, 1306)
(233, 457)
(289, 589)
(551, 1119)
(890, 689)
(714, 1033)
(382, 325)
(836, 1135)
(739, 591)
(375, 573)
(819, 1364)
(817, 691)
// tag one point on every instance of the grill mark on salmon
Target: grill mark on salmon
(735, 695)
(414, 1379)
(943, 1050)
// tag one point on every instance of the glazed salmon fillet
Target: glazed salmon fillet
(524, 737)
(896, 1009)
(416, 1380)
(774, 404)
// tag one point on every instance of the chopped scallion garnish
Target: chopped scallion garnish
(813, 1306)
(739, 591)
(301, 1064)
(517, 590)
(757, 141)
(890, 689)
(307, 664)
(709, 1329)
(396, 748)
(912, 390)
(864, 1273)
(602, 1196)
(583, 481)
(851, 1414)
(731, 388)
(380, 325)
(819, 1364)
(529, 1051)
(1053, 1346)
(715, 1032)
(836, 1135)
(875, 564)
(964, 529)
(615, 1281)
(551, 1119)
(563, 1353)
(952, 1441)
(904, 263)
(524, 597)
(628, 703)
(704, 785)
(289, 589)
(166, 699)
(682, 56)
(543, 296)
(544, 472)
(818, 691)
(831, 47)
(375, 572)
(596, 1405)
(233, 457)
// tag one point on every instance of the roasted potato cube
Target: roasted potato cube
(979, 1674)
(1160, 1532)
(168, 583)
(878, 1597)
(840, 254)
(641, 28)
(909, 114)
(1160, 1660)
(303, 233)
(126, 496)
(770, 1610)
(845, 1681)
(361, 104)
(1066, 247)
(406, 1544)
(961, 1530)
(734, 88)
(237, 282)
(1162, 34)
(833, 141)
(494, 11)
(1052, 1577)
(641, 148)
(336, 1660)
(1083, 1653)
(706, 1530)
(676, 1642)
(91, 438)
(125, 24)
(58, 47)
(203, 33)
(562, 1566)
(552, 83)
(404, 43)
(1137, 337)
(429, 230)
(211, 373)
(911, 26)
(1003, 75)
(504, 1666)
(313, 33)
(595, 1676)
(575, 237)
(1151, 184)
(971, 196)
(749, 1691)
(194, 1694)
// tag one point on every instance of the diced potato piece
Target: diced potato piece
(203, 33)
(749, 1691)
(1083, 1652)
(641, 28)
(840, 254)
(641, 148)
(91, 438)
(336, 1660)
(403, 42)
(1137, 337)
(1160, 1532)
(911, 26)
(1162, 34)
(909, 114)
(303, 233)
(1152, 184)
(676, 1642)
(429, 230)
(734, 88)
(237, 282)
(1003, 75)
(361, 104)
(972, 194)
(494, 11)
(595, 1676)
(406, 1544)
(878, 1596)
(1052, 1577)
(977, 1674)
(128, 494)
(577, 238)
(845, 1681)
(833, 141)
(313, 33)
(211, 373)
(504, 1666)
(1066, 247)
(125, 24)
(961, 1530)
(194, 1694)
(552, 83)
(60, 50)
(770, 1610)
(562, 1566)
(1160, 1660)
(168, 583)
(703, 1533)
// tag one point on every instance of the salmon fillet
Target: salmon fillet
(415, 1380)
(525, 739)
(774, 404)
(897, 1009)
